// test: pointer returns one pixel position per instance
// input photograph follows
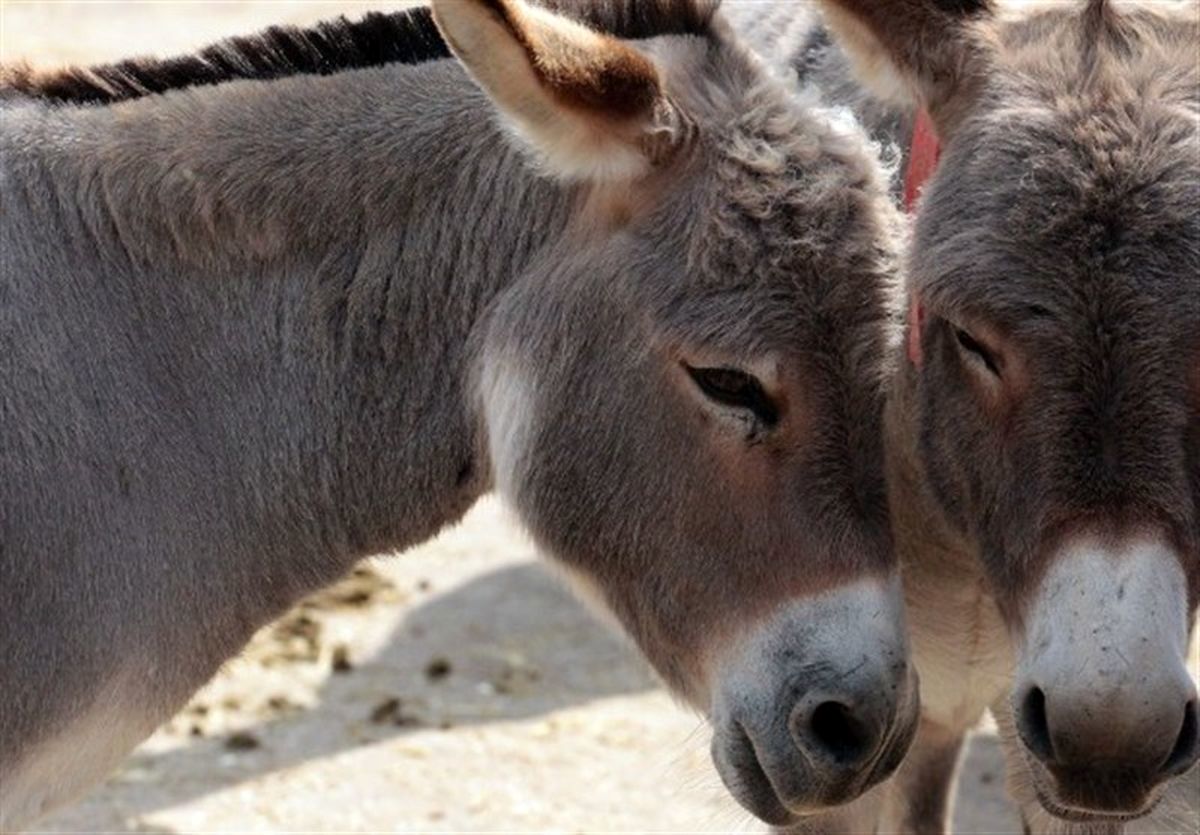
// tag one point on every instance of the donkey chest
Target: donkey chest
(960, 644)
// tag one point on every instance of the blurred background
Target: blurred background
(457, 687)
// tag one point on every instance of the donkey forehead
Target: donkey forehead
(1080, 150)
(1070, 215)
(795, 206)
(777, 152)
(778, 216)
(1061, 48)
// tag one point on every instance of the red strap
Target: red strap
(923, 156)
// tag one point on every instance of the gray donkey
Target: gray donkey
(301, 298)
(1043, 428)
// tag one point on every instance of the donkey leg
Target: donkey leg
(921, 799)
(956, 687)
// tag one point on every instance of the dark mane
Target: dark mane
(405, 37)
(636, 19)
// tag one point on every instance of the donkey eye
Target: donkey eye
(731, 387)
(976, 349)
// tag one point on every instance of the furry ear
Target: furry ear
(590, 105)
(924, 52)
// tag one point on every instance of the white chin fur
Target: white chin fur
(507, 396)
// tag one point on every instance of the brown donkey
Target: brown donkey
(254, 327)
(1043, 431)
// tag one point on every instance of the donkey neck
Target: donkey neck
(924, 536)
(960, 645)
(312, 255)
(249, 173)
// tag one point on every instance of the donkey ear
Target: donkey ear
(924, 52)
(590, 105)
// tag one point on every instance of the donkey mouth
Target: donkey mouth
(741, 770)
(1076, 814)
(784, 799)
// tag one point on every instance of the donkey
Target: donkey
(303, 297)
(1042, 430)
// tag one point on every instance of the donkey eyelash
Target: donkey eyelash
(974, 347)
(732, 387)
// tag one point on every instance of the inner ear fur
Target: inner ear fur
(591, 104)
(928, 53)
(585, 69)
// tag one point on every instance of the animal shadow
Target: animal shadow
(508, 645)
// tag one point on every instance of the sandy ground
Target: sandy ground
(457, 687)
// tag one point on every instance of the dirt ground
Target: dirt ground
(457, 687)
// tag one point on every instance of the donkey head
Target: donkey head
(682, 399)
(1054, 349)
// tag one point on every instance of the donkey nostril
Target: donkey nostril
(1034, 727)
(840, 734)
(1187, 745)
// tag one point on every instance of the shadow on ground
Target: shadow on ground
(509, 645)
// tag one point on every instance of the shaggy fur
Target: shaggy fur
(252, 332)
(1060, 237)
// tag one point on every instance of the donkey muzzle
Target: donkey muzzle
(1104, 704)
(818, 704)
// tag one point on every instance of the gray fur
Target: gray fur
(794, 39)
(1062, 230)
(243, 330)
